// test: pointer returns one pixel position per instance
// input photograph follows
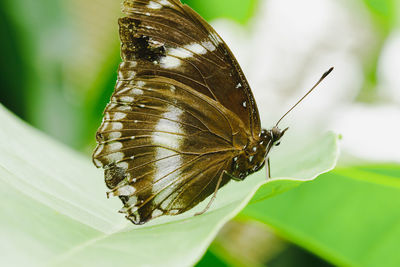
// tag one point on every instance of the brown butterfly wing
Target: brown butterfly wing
(163, 146)
(193, 54)
(180, 112)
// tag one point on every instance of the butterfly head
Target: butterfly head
(274, 136)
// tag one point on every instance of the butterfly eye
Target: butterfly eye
(277, 144)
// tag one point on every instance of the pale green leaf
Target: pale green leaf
(54, 210)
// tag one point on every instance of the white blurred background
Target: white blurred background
(286, 48)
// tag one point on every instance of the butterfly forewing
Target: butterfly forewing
(193, 53)
(180, 113)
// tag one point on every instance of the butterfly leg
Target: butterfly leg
(268, 169)
(213, 196)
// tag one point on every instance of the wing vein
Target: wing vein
(194, 180)
(184, 110)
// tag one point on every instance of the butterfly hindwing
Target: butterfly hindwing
(157, 137)
(186, 187)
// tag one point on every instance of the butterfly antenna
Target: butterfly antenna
(312, 89)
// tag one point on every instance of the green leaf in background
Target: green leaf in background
(12, 65)
(238, 10)
(64, 53)
(385, 16)
(349, 216)
(54, 210)
(383, 10)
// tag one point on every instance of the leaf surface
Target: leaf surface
(54, 210)
(349, 216)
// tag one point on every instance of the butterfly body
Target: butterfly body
(182, 115)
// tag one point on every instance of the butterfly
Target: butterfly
(182, 121)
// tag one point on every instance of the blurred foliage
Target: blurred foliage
(348, 216)
(385, 15)
(239, 10)
(13, 69)
(66, 55)
(383, 11)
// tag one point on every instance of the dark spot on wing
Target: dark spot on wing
(114, 175)
(136, 46)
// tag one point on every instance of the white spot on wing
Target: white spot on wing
(132, 201)
(123, 165)
(196, 48)
(126, 190)
(244, 104)
(119, 116)
(209, 45)
(165, 3)
(140, 83)
(167, 140)
(156, 213)
(116, 126)
(169, 62)
(137, 91)
(154, 5)
(124, 108)
(114, 135)
(114, 157)
(128, 99)
(115, 146)
(111, 126)
(165, 203)
(179, 52)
